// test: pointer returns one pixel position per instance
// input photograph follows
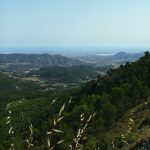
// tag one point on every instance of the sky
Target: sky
(75, 23)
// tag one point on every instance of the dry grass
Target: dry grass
(11, 129)
(77, 142)
(30, 138)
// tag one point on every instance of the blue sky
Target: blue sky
(75, 23)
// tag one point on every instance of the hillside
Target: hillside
(110, 112)
(69, 75)
(112, 96)
(15, 92)
(133, 129)
(27, 62)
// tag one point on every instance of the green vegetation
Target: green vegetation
(110, 112)
(72, 74)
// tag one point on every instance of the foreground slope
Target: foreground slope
(112, 96)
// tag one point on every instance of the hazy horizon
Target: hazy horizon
(73, 52)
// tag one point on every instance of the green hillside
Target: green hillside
(16, 93)
(110, 112)
(72, 74)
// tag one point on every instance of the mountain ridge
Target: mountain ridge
(38, 60)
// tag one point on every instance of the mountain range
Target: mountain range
(37, 60)
(112, 59)
(28, 62)
(24, 63)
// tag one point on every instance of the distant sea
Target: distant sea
(105, 54)
(66, 51)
